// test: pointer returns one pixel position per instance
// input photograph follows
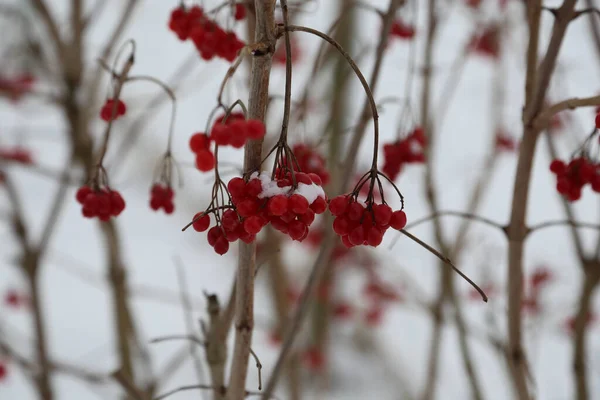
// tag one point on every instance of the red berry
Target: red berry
(82, 193)
(205, 160)
(253, 225)
(598, 121)
(221, 245)
(355, 211)
(338, 205)
(221, 134)
(247, 207)
(298, 204)
(558, 167)
(255, 129)
(254, 187)
(240, 12)
(319, 205)
(357, 236)
(398, 220)
(199, 141)
(341, 225)
(346, 242)
(278, 205)
(202, 223)
(236, 187)
(213, 234)
(3, 371)
(308, 217)
(230, 220)
(382, 213)
(169, 207)
(297, 230)
(374, 237)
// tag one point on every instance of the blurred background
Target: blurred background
(82, 299)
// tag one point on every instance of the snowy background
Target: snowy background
(76, 293)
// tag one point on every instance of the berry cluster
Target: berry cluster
(229, 228)
(402, 30)
(309, 161)
(260, 201)
(572, 177)
(18, 86)
(279, 57)
(236, 130)
(15, 299)
(505, 142)
(16, 154)
(292, 211)
(409, 150)
(3, 371)
(487, 43)
(200, 145)
(359, 225)
(106, 112)
(101, 203)
(239, 12)
(161, 196)
(208, 37)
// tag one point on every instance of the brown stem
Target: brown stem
(367, 110)
(590, 283)
(279, 284)
(257, 108)
(536, 87)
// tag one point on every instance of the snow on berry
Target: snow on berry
(209, 38)
(309, 161)
(106, 113)
(101, 203)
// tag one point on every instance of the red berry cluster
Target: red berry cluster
(359, 225)
(208, 37)
(3, 371)
(16, 154)
(409, 150)
(290, 211)
(161, 196)
(236, 130)
(107, 109)
(14, 299)
(487, 43)
(309, 161)
(505, 142)
(279, 57)
(572, 177)
(18, 86)
(239, 12)
(103, 203)
(200, 145)
(229, 228)
(402, 30)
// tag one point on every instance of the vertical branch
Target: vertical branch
(257, 107)
(590, 283)
(359, 131)
(536, 86)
